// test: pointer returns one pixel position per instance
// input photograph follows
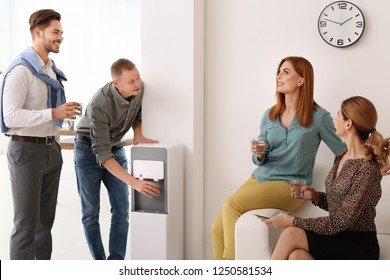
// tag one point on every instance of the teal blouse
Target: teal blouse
(292, 151)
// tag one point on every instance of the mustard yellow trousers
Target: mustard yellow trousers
(251, 195)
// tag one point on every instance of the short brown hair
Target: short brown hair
(118, 66)
(42, 19)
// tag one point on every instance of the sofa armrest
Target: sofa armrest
(254, 240)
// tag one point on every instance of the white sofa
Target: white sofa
(256, 241)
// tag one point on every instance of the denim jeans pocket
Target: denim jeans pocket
(81, 145)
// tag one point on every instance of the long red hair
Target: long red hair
(306, 104)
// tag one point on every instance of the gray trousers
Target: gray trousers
(35, 171)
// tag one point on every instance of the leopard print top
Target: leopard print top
(350, 199)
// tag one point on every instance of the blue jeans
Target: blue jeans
(89, 177)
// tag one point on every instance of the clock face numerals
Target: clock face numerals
(341, 24)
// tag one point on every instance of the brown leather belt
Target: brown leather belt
(37, 140)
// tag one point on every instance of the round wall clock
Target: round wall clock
(341, 24)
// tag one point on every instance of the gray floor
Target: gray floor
(68, 237)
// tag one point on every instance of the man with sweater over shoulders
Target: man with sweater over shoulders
(33, 107)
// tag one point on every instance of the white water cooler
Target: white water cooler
(157, 224)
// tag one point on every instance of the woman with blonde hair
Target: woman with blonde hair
(293, 128)
(353, 190)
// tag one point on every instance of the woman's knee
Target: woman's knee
(231, 204)
(294, 255)
(295, 238)
(299, 254)
(292, 233)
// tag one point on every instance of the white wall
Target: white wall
(245, 40)
(173, 106)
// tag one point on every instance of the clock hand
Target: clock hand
(346, 20)
(333, 21)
